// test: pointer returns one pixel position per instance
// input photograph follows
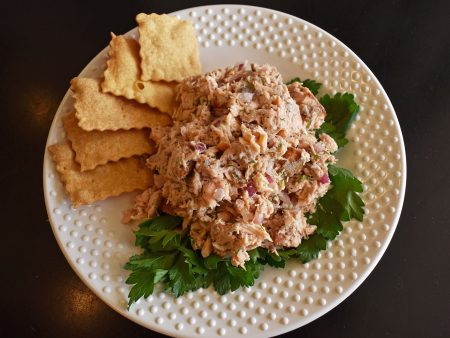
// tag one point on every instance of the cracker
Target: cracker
(123, 77)
(104, 181)
(169, 49)
(93, 148)
(100, 111)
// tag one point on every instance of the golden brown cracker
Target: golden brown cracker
(122, 77)
(93, 148)
(169, 49)
(100, 111)
(111, 179)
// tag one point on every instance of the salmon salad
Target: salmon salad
(242, 163)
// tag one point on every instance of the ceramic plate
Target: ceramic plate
(97, 245)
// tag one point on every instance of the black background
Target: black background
(405, 43)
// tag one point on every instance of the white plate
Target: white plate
(97, 245)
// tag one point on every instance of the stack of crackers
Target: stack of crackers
(108, 130)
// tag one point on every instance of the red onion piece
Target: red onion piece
(258, 219)
(241, 65)
(318, 147)
(251, 189)
(285, 199)
(219, 194)
(247, 97)
(269, 178)
(324, 179)
(201, 147)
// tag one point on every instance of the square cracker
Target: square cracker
(169, 49)
(93, 148)
(123, 77)
(100, 111)
(111, 179)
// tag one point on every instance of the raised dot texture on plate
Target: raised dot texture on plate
(281, 299)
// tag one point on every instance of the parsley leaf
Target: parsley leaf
(341, 110)
(345, 191)
(181, 278)
(150, 228)
(329, 223)
(312, 85)
(341, 203)
(222, 279)
(152, 260)
(309, 249)
(278, 261)
(230, 278)
(143, 280)
(212, 261)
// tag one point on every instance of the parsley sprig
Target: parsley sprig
(341, 111)
(169, 259)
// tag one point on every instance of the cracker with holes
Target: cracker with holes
(93, 148)
(169, 49)
(101, 111)
(122, 77)
(111, 179)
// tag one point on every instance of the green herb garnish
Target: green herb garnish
(341, 111)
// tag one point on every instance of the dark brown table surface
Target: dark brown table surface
(406, 44)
